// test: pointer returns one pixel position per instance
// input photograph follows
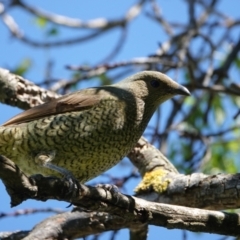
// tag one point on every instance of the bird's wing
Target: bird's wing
(77, 101)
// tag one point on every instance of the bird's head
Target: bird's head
(153, 87)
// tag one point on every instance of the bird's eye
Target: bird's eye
(155, 83)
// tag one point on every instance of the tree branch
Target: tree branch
(19, 92)
(111, 210)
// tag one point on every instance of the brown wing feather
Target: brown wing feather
(73, 102)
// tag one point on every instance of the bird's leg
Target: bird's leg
(44, 159)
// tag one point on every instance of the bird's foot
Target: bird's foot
(44, 159)
(73, 183)
(109, 187)
(113, 189)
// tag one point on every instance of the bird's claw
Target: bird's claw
(110, 187)
(113, 189)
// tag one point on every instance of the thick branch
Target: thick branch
(113, 210)
(164, 215)
(162, 183)
(19, 92)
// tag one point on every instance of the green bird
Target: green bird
(84, 133)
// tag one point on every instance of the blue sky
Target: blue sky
(142, 39)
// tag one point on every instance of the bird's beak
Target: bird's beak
(181, 90)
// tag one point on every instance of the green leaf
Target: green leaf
(23, 67)
(219, 116)
(218, 111)
(76, 75)
(190, 101)
(236, 132)
(187, 77)
(52, 32)
(237, 62)
(233, 146)
(105, 80)
(41, 22)
(222, 157)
